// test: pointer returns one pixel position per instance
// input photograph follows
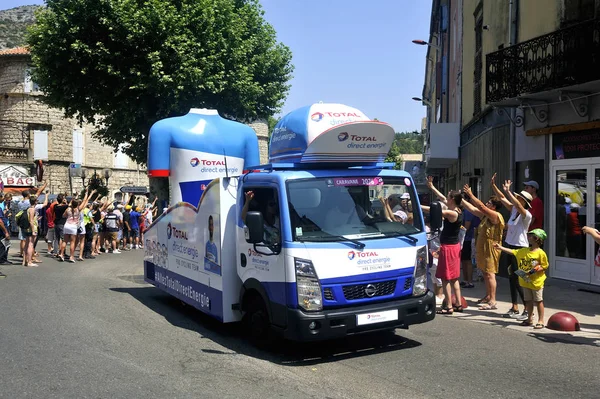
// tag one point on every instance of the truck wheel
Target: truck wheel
(257, 319)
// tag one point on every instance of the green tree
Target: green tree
(394, 155)
(124, 64)
(271, 122)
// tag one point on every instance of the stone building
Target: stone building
(30, 131)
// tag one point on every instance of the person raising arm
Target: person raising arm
(437, 192)
(489, 232)
(507, 204)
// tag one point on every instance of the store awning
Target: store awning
(17, 190)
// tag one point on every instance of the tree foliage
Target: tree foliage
(394, 155)
(124, 64)
(409, 142)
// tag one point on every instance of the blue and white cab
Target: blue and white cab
(324, 241)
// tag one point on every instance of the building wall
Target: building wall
(21, 113)
(262, 131)
(455, 60)
(495, 16)
(538, 17)
(489, 152)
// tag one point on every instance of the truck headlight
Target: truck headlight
(307, 285)
(420, 276)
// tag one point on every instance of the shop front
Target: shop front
(574, 203)
(15, 179)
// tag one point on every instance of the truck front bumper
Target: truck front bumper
(336, 323)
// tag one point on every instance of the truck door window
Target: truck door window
(265, 201)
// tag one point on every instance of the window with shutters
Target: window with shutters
(29, 86)
(78, 146)
(40, 145)
(121, 159)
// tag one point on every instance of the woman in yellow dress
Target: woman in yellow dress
(489, 232)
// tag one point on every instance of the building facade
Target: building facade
(32, 131)
(442, 93)
(550, 79)
(530, 110)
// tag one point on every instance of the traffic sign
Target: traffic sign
(134, 189)
(75, 170)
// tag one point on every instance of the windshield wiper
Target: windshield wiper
(332, 237)
(407, 236)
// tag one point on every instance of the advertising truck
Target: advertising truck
(324, 241)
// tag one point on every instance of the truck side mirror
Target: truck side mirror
(254, 227)
(435, 216)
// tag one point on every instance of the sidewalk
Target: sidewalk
(559, 296)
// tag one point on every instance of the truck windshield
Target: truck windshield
(335, 209)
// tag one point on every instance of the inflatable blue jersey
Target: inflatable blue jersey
(330, 133)
(194, 149)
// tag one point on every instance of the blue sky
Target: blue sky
(353, 52)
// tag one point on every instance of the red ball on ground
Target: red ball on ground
(462, 300)
(563, 321)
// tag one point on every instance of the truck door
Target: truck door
(262, 268)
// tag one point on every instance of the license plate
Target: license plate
(377, 317)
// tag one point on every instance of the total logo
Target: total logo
(367, 254)
(363, 138)
(252, 253)
(194, 162)
(316, 117)
(173, 231)
(343, 136)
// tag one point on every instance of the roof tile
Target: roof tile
(15, 51)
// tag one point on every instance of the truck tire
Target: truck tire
(257, 319)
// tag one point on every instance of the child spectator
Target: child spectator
(532, 266)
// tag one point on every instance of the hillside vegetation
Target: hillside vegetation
(13, 25)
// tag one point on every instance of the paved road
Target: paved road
(94, 329)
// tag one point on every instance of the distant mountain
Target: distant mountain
(13, 25)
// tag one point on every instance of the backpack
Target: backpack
(23, 220)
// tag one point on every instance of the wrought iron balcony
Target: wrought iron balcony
(565, 57)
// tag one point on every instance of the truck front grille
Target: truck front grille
(359, 291)
(407, 283)
(328, 294)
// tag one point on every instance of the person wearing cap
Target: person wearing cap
(533, 263)
(537, 206)
(517, 226)
(134, 223)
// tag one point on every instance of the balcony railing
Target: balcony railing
(565, 57)
(9, 154)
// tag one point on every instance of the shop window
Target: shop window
(78, 146)
(40, 145)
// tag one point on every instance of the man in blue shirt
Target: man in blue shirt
(134, 223)
(470, 223)
(211, 257)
